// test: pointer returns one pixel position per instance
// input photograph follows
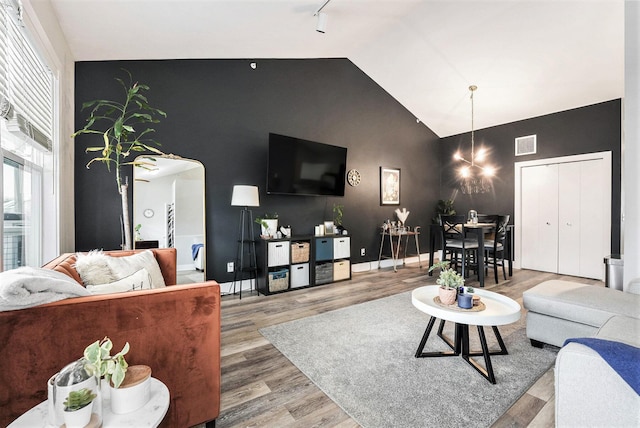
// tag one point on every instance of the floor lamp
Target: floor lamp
(245, 196)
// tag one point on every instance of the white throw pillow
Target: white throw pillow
(93, 268)
(140, 280)
(128, 265)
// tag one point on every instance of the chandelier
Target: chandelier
(475, 176)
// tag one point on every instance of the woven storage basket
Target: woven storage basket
(279, 280)
(299, 252)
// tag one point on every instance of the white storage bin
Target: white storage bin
(300, 275)
(341, 248)
(341, 270)
(278, 253)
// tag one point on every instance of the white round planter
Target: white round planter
(130, 398)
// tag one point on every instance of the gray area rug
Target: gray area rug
(362, 357)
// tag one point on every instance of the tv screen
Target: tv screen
(302, 167)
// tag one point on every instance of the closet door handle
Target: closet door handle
(548, 224)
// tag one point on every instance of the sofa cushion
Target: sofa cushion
(140, 280)
(586, 304)
(93, 268)
(123, 267)
(621, 329)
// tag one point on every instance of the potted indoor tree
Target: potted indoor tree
(124, 128)
(78, 408)
(449, 281)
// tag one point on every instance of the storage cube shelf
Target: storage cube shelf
(303, 261)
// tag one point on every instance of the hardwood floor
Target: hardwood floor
(261, 388)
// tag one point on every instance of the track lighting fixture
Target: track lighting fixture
(321, 25)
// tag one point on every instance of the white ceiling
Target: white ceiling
(528, 58)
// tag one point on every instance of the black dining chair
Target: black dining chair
(494, 249)
(459, 250)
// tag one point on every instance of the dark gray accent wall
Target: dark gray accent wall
(595, 128)
(220, 112)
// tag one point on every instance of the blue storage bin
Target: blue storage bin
(324, 249)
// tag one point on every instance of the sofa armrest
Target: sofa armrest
(175, 330)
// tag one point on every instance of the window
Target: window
(21, 207)
(26, 140)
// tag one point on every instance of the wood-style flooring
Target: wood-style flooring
(262, 388)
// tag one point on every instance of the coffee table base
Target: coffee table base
(460, 346)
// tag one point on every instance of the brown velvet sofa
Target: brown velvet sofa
(174, 330)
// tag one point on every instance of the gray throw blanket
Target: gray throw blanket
(27, 286)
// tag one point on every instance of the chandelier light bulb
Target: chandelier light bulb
(465, 172)
(457, 156)
(480, 155)
(489, 171)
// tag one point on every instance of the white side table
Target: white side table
(150, 415)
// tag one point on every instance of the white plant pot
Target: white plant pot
(272, 229)
(78, 418)
(55, 402)
(130, 398)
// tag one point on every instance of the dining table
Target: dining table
(478, 230)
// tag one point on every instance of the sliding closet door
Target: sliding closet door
(539, 223)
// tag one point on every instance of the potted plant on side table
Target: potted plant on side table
(77, 408)
(449, 281)
(129, 386)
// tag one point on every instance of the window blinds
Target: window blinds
(26, 83)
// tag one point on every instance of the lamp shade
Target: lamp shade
(245, 196)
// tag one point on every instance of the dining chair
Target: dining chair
(494, 249)
(462, 251)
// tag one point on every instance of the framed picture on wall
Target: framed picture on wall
(389, 186)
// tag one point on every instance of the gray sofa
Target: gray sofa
(589, 392)
(558, 310)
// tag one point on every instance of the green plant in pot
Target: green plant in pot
(449, 280)
(77, 408)
(124, 131)
(443, 207)
(268, 224)
(112, 368)
(338, 213)
(76, 400)
(128, 384)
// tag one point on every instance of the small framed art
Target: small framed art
(389, 186)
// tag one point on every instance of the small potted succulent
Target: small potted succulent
(449, 281)
(78, 408)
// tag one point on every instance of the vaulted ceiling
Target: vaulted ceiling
(528, 58)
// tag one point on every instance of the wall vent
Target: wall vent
(526, 145)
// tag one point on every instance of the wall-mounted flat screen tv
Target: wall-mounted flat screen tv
(303, 167)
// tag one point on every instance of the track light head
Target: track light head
(321, 26)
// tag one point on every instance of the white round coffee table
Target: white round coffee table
(498, 310)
